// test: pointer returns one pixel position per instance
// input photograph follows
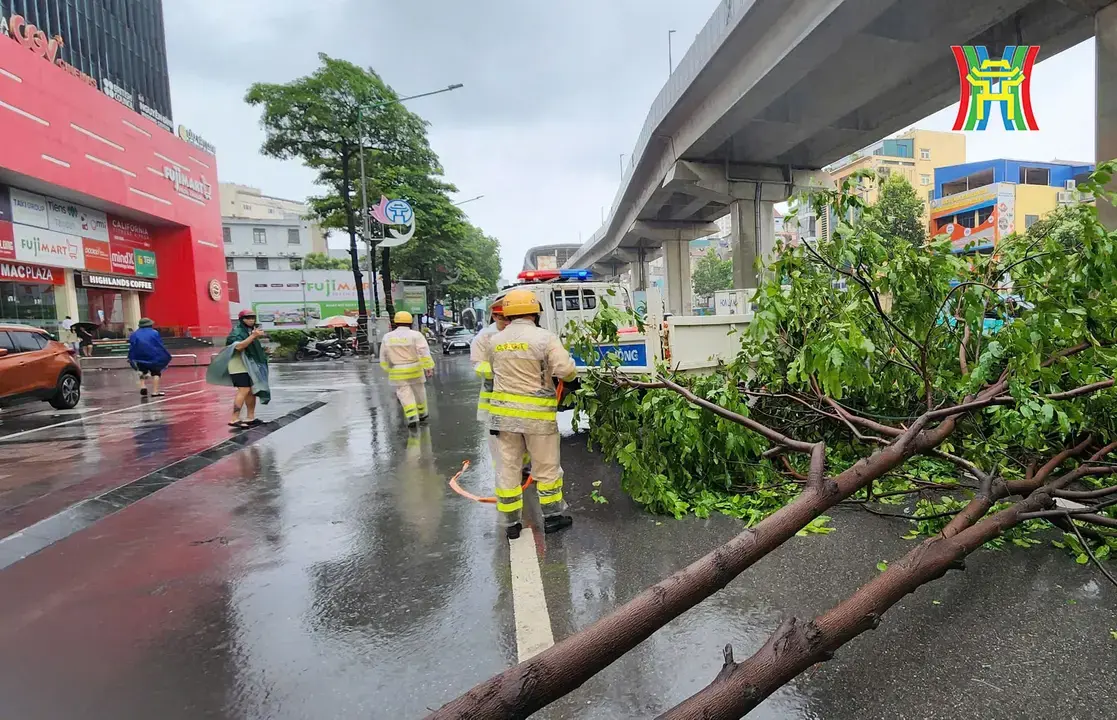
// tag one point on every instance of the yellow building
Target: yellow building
(915, 155)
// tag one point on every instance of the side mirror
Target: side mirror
(3, 352)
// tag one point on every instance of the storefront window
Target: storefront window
(28, 304)
(103, 307)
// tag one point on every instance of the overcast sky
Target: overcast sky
(554, 93)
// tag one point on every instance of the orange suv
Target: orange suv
(34, 367)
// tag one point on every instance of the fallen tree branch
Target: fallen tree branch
(1090, 552)
(797, 645)
(524, 689)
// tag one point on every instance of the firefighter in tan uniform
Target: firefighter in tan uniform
(522, 409)
(406, 357)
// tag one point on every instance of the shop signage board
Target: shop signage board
(98, 255)
(127, 232)
(67, 217)
(7, 241)
(145, 263)
(48, 247)
(118, 282)
(196, 140)
(29, 209)
(297, 299)
(23, 273)
(5, 204)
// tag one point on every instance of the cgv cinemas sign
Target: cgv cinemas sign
(17, 28)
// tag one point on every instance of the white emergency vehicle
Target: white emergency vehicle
(689, 344)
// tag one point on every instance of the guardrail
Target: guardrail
(121, 363)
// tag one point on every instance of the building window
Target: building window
(1035, 176)
(259, 236)
(261, 263)
(293, 236)
(271, 211)
(924, 153)
(247, 206)
(930, 196)
(924, 179)
(229, 264)
(1030, 220)
(227, 234)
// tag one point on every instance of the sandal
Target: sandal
(159, 394)
(254, 422)
(238, 425)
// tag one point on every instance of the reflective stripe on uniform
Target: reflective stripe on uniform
(502, 411)
(483, 401)
(426, 363)
(411, 410)
(549, 487)
(485, 370)
(549, 492)
(509, 500)
(546, 401)
(405, 373)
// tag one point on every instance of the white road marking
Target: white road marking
(529, 603)
(149, 403)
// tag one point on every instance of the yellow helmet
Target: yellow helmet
(520, 302)
(402, 318)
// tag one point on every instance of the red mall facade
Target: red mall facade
(104, 215)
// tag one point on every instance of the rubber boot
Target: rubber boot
(556, 523)
(512, 532)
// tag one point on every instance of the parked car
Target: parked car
(35, 367)
(456, 338)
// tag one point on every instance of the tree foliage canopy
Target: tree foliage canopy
(712, 274)
(322, 261)
(899, 211)
(327, 120)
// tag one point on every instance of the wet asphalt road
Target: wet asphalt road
(326, 571)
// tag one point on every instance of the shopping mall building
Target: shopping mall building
(106, 215)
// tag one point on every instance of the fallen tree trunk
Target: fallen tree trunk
(796, 645)
(526, 688)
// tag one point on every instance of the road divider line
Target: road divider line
(529, 602)
(84, 418)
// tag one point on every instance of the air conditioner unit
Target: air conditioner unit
(1070, 185)
(1067, 198)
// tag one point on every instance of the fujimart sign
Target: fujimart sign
(187, 185)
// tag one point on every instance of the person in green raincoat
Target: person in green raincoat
(244, 365)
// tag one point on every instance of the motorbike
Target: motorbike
(311, 349)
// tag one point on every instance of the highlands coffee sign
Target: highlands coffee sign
(116, 282)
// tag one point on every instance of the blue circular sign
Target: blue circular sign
(399, 212)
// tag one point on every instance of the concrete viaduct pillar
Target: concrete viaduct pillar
(753, 236)
(1105, 44)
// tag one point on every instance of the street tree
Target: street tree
(322, 261)
(712, 274)
(844, 396)
(899, 211)
(326, 120)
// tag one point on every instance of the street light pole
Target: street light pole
(364, 192)
(463, 202)
(670, 54)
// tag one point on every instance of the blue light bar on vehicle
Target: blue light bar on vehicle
(575, 274)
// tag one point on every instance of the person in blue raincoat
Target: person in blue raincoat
(244, 365)
(148, 356)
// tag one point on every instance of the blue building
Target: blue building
(980, 203)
